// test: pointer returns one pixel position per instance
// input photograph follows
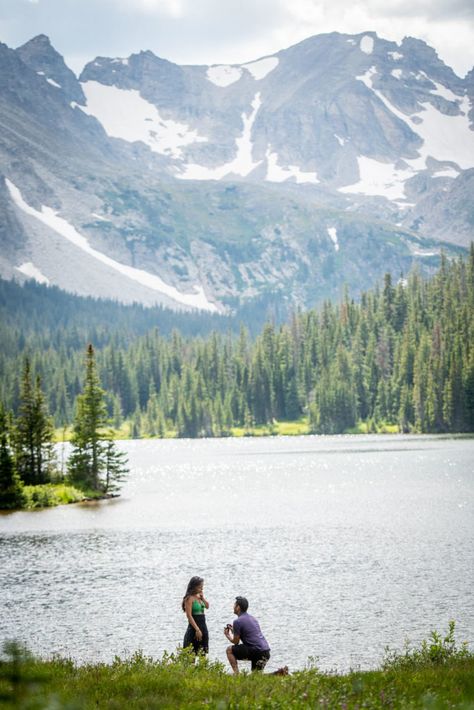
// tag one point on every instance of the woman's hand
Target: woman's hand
(198, 633)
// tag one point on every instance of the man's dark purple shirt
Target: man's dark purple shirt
(248, 628)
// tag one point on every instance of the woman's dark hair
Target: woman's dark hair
(193, 584)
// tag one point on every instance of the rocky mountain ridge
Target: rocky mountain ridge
(207, 187)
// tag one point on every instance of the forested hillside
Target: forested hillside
(52, 313)
(402, 354)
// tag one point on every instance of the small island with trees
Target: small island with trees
(29, 472)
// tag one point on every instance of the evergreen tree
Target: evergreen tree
(44, 437)
(93, 463)
(11, 487)
(33, 433)
(115, 466)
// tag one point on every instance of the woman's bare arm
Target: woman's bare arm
(188, 606)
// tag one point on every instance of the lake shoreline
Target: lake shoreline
(51, 495)
(282, 429)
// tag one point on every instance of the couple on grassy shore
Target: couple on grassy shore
(246, 638)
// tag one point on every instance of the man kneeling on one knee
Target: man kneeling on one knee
(248, 642)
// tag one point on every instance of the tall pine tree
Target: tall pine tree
(33, 433)
(94, 462)
(11, 488)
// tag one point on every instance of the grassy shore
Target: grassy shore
(298, 427)
(436, 676)
(51, 494)
(141, 683)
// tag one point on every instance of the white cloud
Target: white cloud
(234, 31)
(170, 8)
(446, 26)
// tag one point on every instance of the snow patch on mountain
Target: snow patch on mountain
(224, 75)
(275, 173)
(367, 80)
(242, 164)
(376, 178)
(444, 92)
(52, 220)
(32, 272)
(332, 231)
(395, 55)
(50, 81)
(261, 68)
(367, 44)
(446, 172)
(445, 137)
(422, 252)
(125, 114)
(397, 73)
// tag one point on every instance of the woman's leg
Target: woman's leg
(205, 639)
(190, 638)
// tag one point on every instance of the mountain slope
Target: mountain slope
(327, 163)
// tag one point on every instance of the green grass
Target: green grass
(370, 427)
(298, 427)
(173, 682)
(283, 428)
(438, 674)
(51, 494)
(48, 495)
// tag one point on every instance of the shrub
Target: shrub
(432, 652)
(50, 494)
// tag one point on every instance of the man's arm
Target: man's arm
(232, 635)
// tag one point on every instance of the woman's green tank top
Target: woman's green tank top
(198, 607)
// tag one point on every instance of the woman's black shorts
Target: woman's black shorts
(257, 657)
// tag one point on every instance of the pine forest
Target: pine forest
(401, 354)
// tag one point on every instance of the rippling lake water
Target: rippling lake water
(341, 544)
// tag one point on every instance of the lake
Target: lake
(342, 544)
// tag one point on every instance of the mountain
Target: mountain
(211, 187)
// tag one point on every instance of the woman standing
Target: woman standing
(194, 605)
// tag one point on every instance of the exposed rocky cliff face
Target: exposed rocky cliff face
(327, 163)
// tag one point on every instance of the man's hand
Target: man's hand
(228, 633)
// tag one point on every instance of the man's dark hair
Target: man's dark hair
(242, 602)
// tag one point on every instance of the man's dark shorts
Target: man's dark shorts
(258, 658)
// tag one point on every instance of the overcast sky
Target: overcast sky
(231, 31)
